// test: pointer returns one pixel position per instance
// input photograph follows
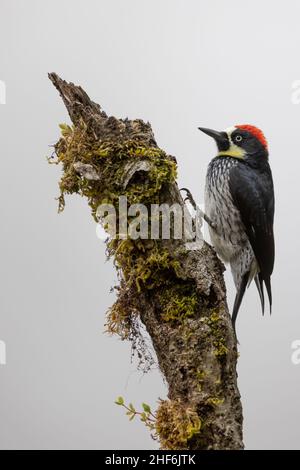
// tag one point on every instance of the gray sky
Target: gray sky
(178, 64)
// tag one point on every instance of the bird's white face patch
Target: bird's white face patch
(234, 150)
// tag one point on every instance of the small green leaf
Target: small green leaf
(119, 401)
(131, 407)
(146, 408)
(131, 417)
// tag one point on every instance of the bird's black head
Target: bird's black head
(242, 141)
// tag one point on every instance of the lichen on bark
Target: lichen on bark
(176, 292)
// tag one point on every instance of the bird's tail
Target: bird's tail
(260, 281)
(267, 281)
(238, 299)
(260, 287)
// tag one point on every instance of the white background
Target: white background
(180, 65)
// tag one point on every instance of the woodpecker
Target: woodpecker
(239, 204)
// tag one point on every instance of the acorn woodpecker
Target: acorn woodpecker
(239, 204)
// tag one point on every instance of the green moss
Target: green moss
(147, 265)
(215, 323)
(119, 320)
(215, 401)
(220, 349)
(214, 318)
(200, 374)
(179, 302)
(109, 159)
(176, 424)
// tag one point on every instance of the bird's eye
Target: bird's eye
(238, 138)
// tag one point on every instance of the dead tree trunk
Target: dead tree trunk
(176, 292)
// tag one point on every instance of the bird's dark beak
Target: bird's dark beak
(221, 138)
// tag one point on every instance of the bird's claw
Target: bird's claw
(189, 197)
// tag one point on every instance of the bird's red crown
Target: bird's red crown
(254, 131)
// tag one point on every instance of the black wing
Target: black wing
(253, 194)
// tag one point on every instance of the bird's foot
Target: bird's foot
(189, 197)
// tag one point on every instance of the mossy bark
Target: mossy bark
(176, 292)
